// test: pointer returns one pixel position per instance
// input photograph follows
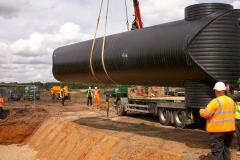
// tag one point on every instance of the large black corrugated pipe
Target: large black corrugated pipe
(198, 11)
(198, 94)
(202, 49)
(216, 49)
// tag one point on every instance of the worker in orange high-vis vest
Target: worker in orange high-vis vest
(220, 116)
(1, 106)
(97, 96)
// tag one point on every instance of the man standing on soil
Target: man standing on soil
(62, 95)
(1, 106)
(220, 115)
(97, 96)
(89, 96)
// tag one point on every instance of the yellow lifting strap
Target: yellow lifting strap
(103, 46)
(126, 10)
(93, 44)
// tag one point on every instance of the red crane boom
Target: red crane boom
(137, 23)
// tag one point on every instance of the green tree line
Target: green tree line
(48, 85)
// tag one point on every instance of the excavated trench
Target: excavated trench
(20, 123)
(61, 139)
(87, 135)
(32, 133)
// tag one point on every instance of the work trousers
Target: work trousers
(238, 132)
(63, 101)
(1, 113)
(220, 144)
(89, 101)
(97, 100)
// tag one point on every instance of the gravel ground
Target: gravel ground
(17, 152)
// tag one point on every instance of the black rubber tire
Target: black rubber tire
(164, 116)
(120, 109)
(180, 118)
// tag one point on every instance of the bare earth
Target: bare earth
(48, 131)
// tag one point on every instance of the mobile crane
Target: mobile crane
(137, 22)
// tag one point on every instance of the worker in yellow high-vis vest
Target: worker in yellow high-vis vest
(237, 97)
(238, 126)
(62, 95)
(220, 116)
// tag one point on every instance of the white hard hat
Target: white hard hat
(95, 87)
(220, 86)
(89, 87)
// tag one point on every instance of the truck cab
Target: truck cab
(31, 93)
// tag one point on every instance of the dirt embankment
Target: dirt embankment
(61, 139)
(50, 131)
(19, 124)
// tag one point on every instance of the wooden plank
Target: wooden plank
(167, 98)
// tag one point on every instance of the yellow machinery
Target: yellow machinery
(55, 92)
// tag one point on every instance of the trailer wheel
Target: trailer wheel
(180, 118)
(164, 116)
(120, 108)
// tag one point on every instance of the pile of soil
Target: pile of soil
(20, 123)
(61, 139)
(75, 131)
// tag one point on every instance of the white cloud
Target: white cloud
(157, 12)
(4, 53)
(24, 56)
(31, 29)
(236, 4)
(26, 73)
(9, 8)
(44, 43)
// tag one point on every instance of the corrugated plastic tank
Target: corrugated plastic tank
(201, 49)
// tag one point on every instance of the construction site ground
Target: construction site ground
(46, 130)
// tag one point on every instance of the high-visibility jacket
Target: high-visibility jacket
(89, 93)
(238, 111)
(62, 93)
(97, 97)
(1, 102)
(220, 115)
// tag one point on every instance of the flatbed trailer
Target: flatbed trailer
(169, 109)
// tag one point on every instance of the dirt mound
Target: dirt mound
(61, 139)
(19, 124)
(17, 152)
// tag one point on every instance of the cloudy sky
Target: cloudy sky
(32, 29)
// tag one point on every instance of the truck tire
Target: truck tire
(180, 118)
(164, 116)
(120, 108)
